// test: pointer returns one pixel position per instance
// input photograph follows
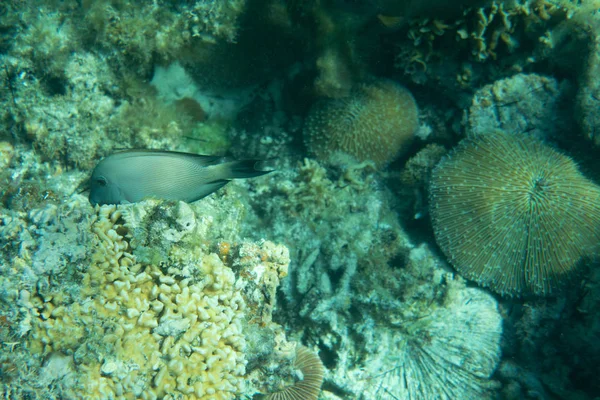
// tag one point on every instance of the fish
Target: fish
(129, 176)
(390, 21)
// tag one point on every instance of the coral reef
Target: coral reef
(85, 96)
(459, 53)
(585, 25)
(356, 281)
(138, 321)
(376, 122)
(48, 41)
(485, 43)
(514, 214)
(169, 300)
(194, 322)
(141, 30)
(90, 72)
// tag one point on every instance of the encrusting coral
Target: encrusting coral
(194, 322)
(376, 122)
(513, 214)
(524, 103)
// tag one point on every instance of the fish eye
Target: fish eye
(101, 181)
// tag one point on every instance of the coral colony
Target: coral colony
(429, 228)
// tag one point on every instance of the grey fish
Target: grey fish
(132, 175)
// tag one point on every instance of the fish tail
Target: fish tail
(245, 169)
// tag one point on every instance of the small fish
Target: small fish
(132, 175)
(391, 22)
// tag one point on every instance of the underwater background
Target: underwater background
(431, 228)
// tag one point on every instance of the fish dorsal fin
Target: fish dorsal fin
(200, 159)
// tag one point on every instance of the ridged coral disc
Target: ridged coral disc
(375, 122)
(513, 214)
(309, 387)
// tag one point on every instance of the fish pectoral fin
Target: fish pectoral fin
(209, 188)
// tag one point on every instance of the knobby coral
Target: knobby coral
(513, 214)
(153, 313)
(375, 122)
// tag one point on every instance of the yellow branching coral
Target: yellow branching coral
(170, 329)
(513, 214)
(375, 122)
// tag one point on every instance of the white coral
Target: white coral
(449, 353)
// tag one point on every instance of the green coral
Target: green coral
(375, 122)
(513, 214)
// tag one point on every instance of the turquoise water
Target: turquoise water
(429, 230)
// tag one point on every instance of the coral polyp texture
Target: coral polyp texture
(513, 214)
(376, 122)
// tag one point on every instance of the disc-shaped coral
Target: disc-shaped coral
(448, 353)
(309, 386)
(513, 214)
(375, 122)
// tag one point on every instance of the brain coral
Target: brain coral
(375, 122)
(513, 214)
